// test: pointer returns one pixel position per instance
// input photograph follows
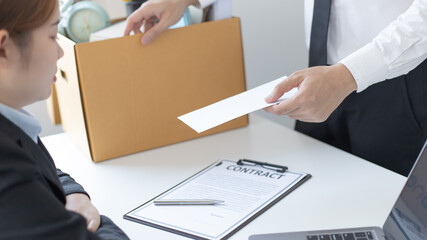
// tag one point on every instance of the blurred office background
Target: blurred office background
(273, 45)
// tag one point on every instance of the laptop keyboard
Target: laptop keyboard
(342, 236)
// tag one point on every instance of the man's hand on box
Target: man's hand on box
(80, 203)
(155, 16)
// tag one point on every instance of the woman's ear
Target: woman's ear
(4, 42)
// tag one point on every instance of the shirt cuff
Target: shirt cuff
(367, 66)
(205, 3)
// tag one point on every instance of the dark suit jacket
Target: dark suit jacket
(32, 196)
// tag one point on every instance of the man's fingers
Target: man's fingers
(153, 32)
(128, 28)
(149, 24)
(269, 109)
(286, 107)
(137, 18)
(133, 25)
(284, 86)
(134, 22)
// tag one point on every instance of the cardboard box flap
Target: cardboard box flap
(68, 97)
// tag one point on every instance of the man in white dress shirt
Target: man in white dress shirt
(368, 95)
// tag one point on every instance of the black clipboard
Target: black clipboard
(267, 170)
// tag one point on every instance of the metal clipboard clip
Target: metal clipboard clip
(277, 168)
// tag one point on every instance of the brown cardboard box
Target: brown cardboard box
(118, 96)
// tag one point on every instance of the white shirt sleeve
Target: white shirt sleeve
(205, 3)
(395, 51)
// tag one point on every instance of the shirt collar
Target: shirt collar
(23, 120)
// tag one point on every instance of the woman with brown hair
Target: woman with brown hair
(37, 201)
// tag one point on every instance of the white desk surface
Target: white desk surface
(345, 191)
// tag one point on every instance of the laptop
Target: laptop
(406, 221)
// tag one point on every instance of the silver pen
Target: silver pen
(160, 202)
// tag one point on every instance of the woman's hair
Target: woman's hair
(20, 17)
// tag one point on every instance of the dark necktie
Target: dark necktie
(319, 33)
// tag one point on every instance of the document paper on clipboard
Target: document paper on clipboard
(247, 191)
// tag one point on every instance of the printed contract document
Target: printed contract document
(246, 191)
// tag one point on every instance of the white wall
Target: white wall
(273, 44)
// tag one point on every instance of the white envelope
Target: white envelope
(233, 107)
